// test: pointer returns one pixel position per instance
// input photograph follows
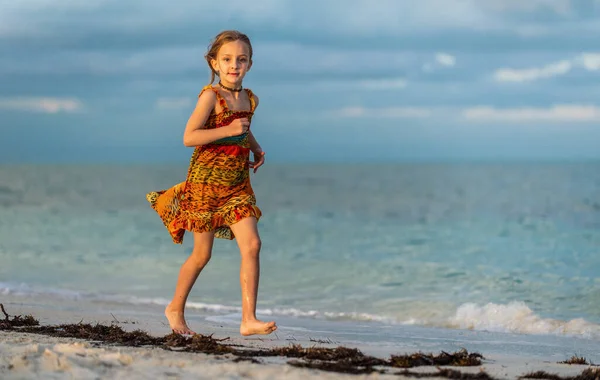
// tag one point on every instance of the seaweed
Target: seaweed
(449, 374)
(575, 360)
(588, 374)
(17, 321)
(339, 359)
(461, 358)
(335, 366)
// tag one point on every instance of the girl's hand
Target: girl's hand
(238, 127)
(259, 160)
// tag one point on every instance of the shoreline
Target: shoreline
(26, 355)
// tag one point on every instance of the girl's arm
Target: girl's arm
(195, 134)
(254, 145)
(259, 154)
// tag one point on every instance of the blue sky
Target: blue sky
(108, 80)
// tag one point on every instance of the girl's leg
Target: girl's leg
(188, 274)
(246, 234)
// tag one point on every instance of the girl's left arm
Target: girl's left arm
(259, 154)
(254, 145)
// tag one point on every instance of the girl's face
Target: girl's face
(232, 63)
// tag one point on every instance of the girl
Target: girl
(217, 200)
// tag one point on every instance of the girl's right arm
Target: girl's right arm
(195, 134)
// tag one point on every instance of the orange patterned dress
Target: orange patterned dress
(217, 191)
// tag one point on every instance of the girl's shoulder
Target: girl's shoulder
(209, 89)
(208, 98)
(253, 98)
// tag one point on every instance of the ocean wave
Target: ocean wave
(514, 317)
(517, 317)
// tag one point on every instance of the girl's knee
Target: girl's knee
(201, 256)
(251, 247)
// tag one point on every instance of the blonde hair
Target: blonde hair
(220, 40)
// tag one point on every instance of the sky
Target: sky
(342, 81)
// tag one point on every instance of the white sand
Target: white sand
(31, 356)
(28, 356)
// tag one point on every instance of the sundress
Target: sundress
(217, 191)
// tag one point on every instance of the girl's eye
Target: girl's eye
(243, 60)
(226, 59)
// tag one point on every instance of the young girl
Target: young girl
(217, 200)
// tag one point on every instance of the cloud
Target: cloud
(445, 59)
(385, 112)
(587, 61)
(560, 7)
(574, 113)
(531, 74)
(554, 114)
(137, 24)
(590, 61)
(173, 103)
(442, 60)
(358, 16)
(160, 61)
(335, 61)
(41, 104)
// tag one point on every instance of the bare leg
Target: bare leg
(246, 234)
(188, 274)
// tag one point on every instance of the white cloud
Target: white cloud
(556, 113)
(531, 74)
(590, 61)
(173, 103)
(445, 59)
(41, 104)
(441, 60)
(385, 112)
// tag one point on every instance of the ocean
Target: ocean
(510, 248)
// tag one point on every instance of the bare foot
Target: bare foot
(256, 327)
(177, 322)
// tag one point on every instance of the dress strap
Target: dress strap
(222, 101)
(252, 100)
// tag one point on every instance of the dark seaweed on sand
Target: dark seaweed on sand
(339, 367)
(339, 359)
(588, 374)
(447, 373)
(17, 321)
(575, 360)
(461, 358)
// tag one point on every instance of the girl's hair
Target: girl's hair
(220, 40)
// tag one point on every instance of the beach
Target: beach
(497, 259)
(38, 357)
(33, 356)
